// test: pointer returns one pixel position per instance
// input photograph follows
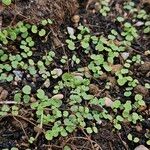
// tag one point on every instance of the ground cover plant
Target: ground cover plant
(79, 83)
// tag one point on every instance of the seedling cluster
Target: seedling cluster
(68, 103)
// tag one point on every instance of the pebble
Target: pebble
(58, 96)
(138, 128)
(70, 30)
(18, 74)
(32, 99)
(3, 95)
(125, 55)
(147, 52)
(75, 18)
(139, 23)
(141, 147)
(108, 102)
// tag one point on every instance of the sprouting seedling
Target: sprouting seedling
(26, 89)
(71, 44)
(42, 32)
(134, 139)
(6, 2)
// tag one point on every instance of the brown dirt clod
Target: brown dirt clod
(94, 89)
(141, 89)
(145, 67)
(3, 95)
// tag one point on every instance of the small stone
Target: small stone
(15, 83)
(32, 99)
(70, 30)
(139, 23)
(141, 147)
(147, 52)
(138, 128)
(108, 102)
(125, 55)
(58, 96)
(116, 68)
(38, 129)
(18, 74)
(3, 95)
(28, 76)
(75, 18)
(47, 83)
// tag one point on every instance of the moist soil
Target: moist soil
(15, 130)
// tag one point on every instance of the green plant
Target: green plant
(105, 7)
(130, 6)
(68, 103)
(75, 60)
(67, 148)
(147, 27)
(64, 59)
(130, 32)
(26, 89)
(120, 19)
(71, 44)
(147, 85)
(14, 110)
(42, 32)
(6, 2)
(134, 139)
(45, 22)
(139, 99)
(31, 140)
(142, 14)
(4, 110)
(49, 58)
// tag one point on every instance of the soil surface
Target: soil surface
(15, 130)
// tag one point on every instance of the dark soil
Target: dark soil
(14, 131)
